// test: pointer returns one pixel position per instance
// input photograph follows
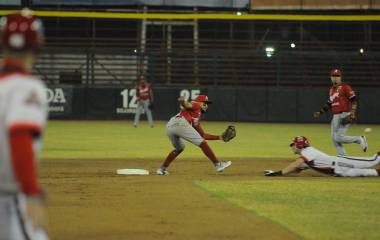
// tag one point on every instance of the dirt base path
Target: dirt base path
(87, 200)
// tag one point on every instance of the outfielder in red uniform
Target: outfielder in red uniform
(23, 115)
(339, 166)
(186, 125)
(144, 97)
(343, 104)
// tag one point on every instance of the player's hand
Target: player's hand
(353, 115)
(36, 213)
(317, 114)
(271, 173)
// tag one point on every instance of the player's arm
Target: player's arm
(353, 101)
(326, 107)
(23, 159)
(205, 135)
(137, 92)
(184, 103)
(24, 125)
(294, 167)
(25, 170)
(151, 94)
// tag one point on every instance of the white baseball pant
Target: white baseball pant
(178, 128)
(338, 133)
(346, 166)
(14, 224)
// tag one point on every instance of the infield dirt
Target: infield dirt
(88, 200)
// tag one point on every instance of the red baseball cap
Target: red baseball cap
(21, 31)
(202, 98)
(335, 73)
(300, 142)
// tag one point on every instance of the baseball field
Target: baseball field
(88, 200)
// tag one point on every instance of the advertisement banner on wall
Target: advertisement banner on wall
(60, 100)
(126, 100)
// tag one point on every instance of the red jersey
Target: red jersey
(143, 91)
(192, 115)
(340, 97)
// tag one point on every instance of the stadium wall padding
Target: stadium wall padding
(243, 104)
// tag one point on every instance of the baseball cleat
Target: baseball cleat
(220, 166)
(161, 171)
(363, 143)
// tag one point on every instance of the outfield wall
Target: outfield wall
(249, 104)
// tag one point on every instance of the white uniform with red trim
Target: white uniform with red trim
(23, 104)
(343, 166)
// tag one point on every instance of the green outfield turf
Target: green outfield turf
(118, 139)
(322, 208)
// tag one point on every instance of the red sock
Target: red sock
(171, 156)
(208, 152)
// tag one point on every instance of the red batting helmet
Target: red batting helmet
(21, 31)
(335, 73)
(202, 98)
(300, 142)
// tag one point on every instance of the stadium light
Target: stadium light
(135, 51)
(269, 51)
(361, 50)
(238, 13)
(292, 45)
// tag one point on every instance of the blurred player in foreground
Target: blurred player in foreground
(340, 166)
(343, 104)
(186, 125)
(23, 115)
(144, 97)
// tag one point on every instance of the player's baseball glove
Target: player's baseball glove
(229, 133)
(151, 106)
(349, 119)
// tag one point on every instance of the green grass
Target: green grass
(328, 208)
(118, 139)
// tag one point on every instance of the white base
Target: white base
(131, 171)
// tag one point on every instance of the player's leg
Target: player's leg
(148, 113)
(187, 132)
(14, 224)
(178, 145)
(341, 131)
(335, 121)
(138, 113)
(8, 217)
(358, 162)
(356, 172)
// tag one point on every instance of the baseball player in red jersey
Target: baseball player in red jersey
(144, 96)
(23, 115)
(343, 105)
(340, 166)
(186, 125)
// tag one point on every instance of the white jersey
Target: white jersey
(322, 162)
(23, 104)
(315, 158)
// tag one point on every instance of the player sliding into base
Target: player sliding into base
(339, 166)
(186, 125)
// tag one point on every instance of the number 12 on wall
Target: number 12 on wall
(129, 98)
